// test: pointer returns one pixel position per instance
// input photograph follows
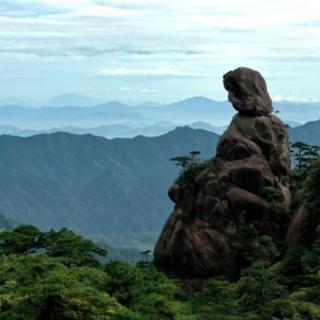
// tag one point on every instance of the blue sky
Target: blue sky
(161, 50)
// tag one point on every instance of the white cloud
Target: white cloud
(278, 98)
(149, 90)
(125, 88)
(182, 40)
(223, 29)
(294, 98)
(101, 12)
(144, 72)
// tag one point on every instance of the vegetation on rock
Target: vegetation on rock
(190, 166)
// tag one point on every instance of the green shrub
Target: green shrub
(271, 194)
(191, 166)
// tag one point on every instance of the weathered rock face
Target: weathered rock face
(203, 237)
(248, 91)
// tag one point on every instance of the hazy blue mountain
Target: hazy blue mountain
(116, 113)
(293, 124)
(113, 131)
(8, 129)
(15, 101)
(300, 112)
(111, 190)
(108, 131)
(49, 117)
(193, 110)
(207, 126)
(149, 104)
(308, 133)
(74, 100)
(11, 101)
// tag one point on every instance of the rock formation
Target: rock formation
(245, 189)
(248, 92)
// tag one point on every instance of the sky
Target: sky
(159, 50)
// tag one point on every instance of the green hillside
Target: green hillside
(109, 190)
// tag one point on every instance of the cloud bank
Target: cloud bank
(183, 43)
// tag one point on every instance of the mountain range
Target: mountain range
(110, 190)
(115, 190)
(78, 113)
(112, 131)
(308, 133)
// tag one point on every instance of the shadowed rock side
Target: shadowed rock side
(295, 234)
(245, 190)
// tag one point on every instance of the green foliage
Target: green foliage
(246, 231)
(312, 184)
(146, 291)
(304, 155)
(183, 162)
(265, 249)
(291, 270)
(24, 239)
(254, 247)
(55, 276)
(72, 248)
(218, 301)
(271, 194)
(191, 166)
(311, 263)
(259, 286)
(62, 280)
(42, 288)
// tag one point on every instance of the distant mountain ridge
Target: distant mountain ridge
(110, 190)
(73, 100)
(73, 111)
(112, 131)
(308, 133)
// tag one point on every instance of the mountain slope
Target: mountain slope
(111, 190)
(308, 133)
